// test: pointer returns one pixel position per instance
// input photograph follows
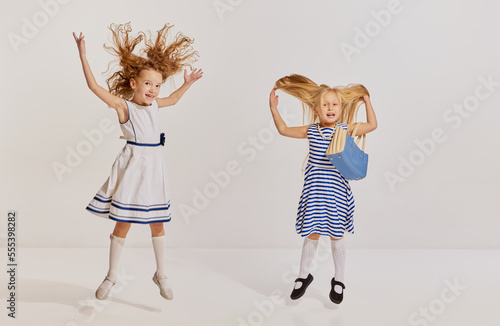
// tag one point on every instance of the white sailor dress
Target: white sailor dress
(137, 188)
(326, 205)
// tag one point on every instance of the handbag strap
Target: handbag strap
(337, 142)
(338, 138)
(354, 131)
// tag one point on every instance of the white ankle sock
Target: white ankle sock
(338, 253)
(308, 251)
(159, 246)
(115, 252)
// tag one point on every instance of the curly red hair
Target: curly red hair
(167, 59)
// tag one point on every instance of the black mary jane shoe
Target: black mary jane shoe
(297, 293)
(334, 296)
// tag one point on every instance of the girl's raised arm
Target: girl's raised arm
(371, 119)
(189, 80)
(113, 101)
(283, 129)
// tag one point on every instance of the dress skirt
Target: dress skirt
(326, 205)
(137, 188)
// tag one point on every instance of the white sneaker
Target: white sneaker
(104, 289)
(165, 289)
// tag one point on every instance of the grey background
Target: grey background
(428, 59)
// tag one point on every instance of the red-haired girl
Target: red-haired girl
(137, 188)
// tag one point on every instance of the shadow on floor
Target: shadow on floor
(81, 298)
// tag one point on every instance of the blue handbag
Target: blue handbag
(344, 153)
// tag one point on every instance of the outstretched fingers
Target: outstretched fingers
(78, 38)
(194, 75)
(198, 73)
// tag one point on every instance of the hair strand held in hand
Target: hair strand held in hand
(311, 95)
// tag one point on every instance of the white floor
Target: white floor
(252, 287)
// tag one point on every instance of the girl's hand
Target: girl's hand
(192, 77)
(80, 42)
(273, 99)
(371, 119)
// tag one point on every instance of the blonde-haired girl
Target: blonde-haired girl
(326, 205)
(137, 189)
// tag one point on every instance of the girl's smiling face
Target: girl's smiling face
(328, 110)
(146, 86)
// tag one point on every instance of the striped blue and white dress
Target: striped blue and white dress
(137, 188)
(326, 205)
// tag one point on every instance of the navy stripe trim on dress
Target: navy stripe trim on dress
(128, 220)
(146, 209)
(101, 200)
(109, 199)
(96, 211)
(141, 218)
(135, 135)
(102, 197)
(133, 218)
(140, 209)
(129, 117)
(139, 222)
(161, 205)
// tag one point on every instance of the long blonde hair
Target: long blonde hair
(311, 96)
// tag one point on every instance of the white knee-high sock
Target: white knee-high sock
(338, 253)
(308, 252)
(159, 246)
(115, 252)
